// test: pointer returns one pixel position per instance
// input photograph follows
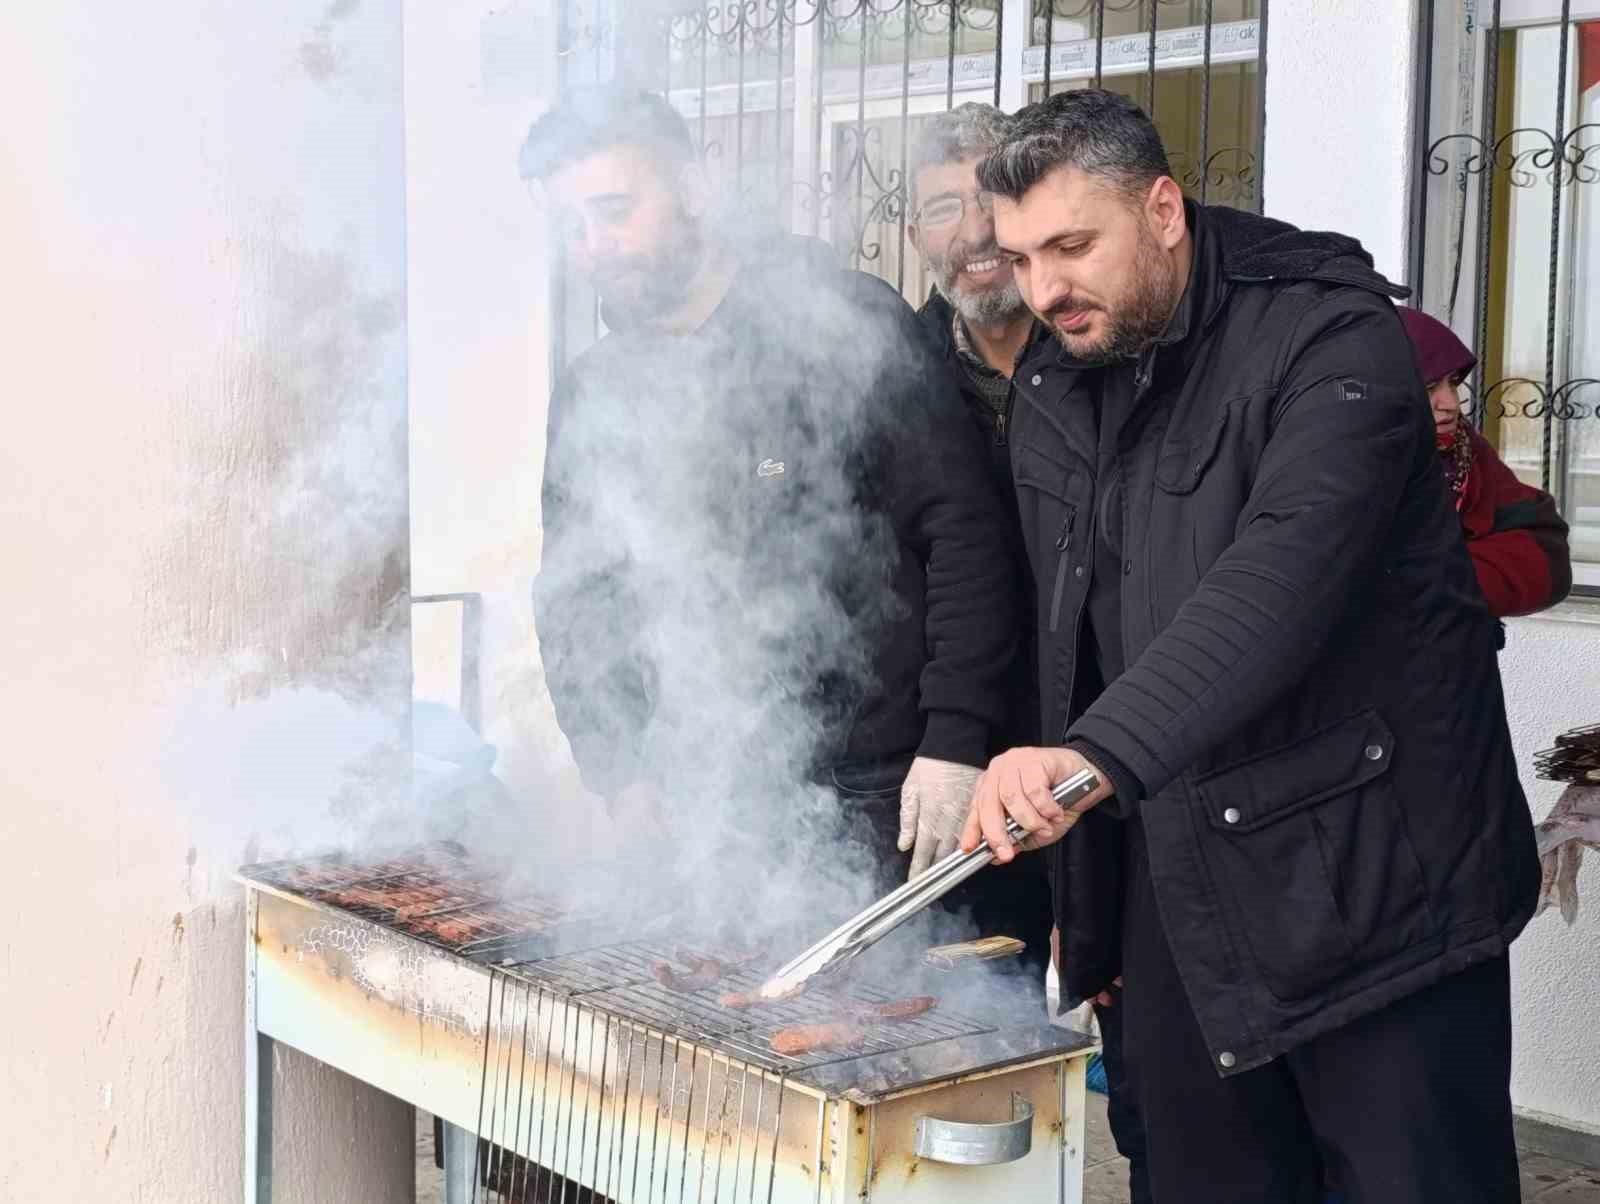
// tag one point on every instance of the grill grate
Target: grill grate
(435, 895)
(617, 979)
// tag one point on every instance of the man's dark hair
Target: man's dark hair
(1101, 133)
(598, 119)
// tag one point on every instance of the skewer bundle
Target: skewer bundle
(1575, 758)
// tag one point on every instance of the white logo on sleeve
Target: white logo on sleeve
(769, 468)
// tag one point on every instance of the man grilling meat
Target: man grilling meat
(978, 321)
(772, 551)
(1259, 625)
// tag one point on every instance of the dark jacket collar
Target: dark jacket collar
(938, 318)
(1255, 250)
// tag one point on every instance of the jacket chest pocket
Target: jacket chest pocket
(1199, 492)
(1054, 507)
(1311, 845)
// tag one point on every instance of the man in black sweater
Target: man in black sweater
(772, 552)
(1260, 627)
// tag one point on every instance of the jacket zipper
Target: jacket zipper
(1064, 557)
(1002, 418)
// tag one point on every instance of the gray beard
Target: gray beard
(983, 308)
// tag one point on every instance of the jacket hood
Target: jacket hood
(1255, 249)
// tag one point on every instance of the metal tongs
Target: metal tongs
(859, 933)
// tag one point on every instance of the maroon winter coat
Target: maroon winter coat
(1517, 539)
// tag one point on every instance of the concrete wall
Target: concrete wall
(202, 506)
(1551, 667)
(1339, 103)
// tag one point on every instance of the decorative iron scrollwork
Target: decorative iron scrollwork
(1228, 175)
(1523, 166)
(1559, 403)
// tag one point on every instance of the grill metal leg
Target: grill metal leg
(460, 1150)
(257, 1078)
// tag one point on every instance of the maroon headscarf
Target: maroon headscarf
(1440, 354)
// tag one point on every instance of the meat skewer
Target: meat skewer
(900, 1009)
(802, 1039)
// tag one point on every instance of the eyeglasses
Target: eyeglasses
(952, 207)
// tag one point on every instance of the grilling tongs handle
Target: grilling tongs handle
(861, 932)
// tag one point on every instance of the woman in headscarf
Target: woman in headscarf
(1517, 539)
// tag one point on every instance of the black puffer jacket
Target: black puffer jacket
(1311, 726)
(771, 543)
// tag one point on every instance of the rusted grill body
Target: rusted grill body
(533, 1026)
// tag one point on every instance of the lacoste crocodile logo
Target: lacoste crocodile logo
(769, 468)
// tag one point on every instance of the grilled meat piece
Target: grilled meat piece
(902, 1009)
(802, 1039)
(739, 1000)
(457, 932)
(443, 901)
(703, 973)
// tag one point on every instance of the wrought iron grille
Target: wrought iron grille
(1506, 233)
(806, 109)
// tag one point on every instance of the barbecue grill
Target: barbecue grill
(542, 1032)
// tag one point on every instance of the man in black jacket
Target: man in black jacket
(772, 554)
(977, 320)
(1259, 625)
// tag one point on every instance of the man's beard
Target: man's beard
(636, 286)
(1138, 319)
(981, 306)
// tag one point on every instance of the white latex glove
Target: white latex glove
(934, 803)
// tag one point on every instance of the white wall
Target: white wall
(1338, 111)
(1551, 668)
(479, 337)
(202, 506)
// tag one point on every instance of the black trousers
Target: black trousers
(1409, 1105)
(1122, 1110)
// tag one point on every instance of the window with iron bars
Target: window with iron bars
(807, 109)
(1506, 234)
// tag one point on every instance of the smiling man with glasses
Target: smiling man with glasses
(975, 305)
